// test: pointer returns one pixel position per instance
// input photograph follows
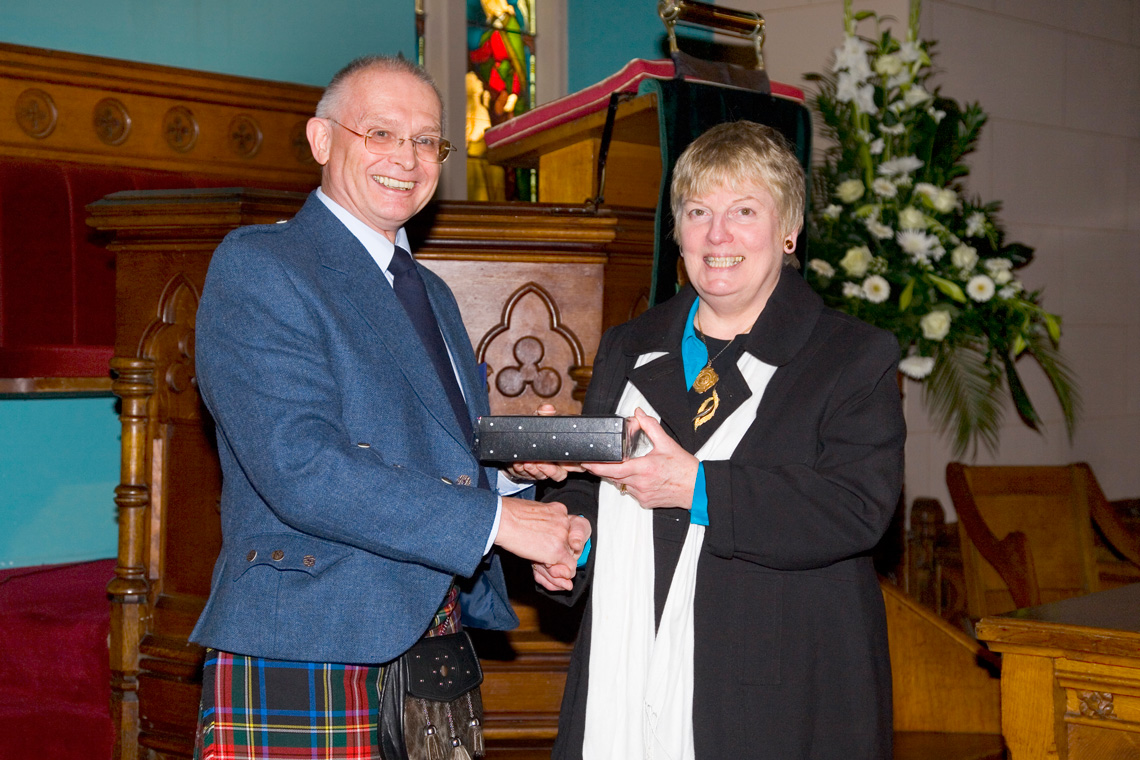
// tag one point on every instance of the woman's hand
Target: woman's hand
(543, 470)
(665, 477)
(561, 577)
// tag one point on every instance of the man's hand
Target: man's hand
(561, 577)
(665, 477)
(544, 534)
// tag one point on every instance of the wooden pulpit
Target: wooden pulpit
(537, 284)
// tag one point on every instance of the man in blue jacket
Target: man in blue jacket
(355, 518)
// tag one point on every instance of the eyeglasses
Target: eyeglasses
(381, 142)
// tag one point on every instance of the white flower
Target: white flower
(980, 288)
(945, 201)
(999, 270)
(833, 211)
(937, 252)
(917, 244)
(888, 65)
(975, 224)
(1010, 291)
(884, 188)
(916, 367)
(865, 99)
(935, 325)
(964, 257)
(850, 190)
(879, 230)
(822, 268)
(894, 129)
(926, 190)
(877, 147)
(909, 52)
(853, 57)
(856, 261)
(879, 265)
(902, 165)
(911, 218)
(916, 95)
(935, 114)
(846, 87)
(852, 290)
(876, 289)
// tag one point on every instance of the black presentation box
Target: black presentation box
(522, 438)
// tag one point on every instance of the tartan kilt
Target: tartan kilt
(255, 708)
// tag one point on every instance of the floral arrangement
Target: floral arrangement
(894, 240)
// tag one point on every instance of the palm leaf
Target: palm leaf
(961, 394)
(1061, 377)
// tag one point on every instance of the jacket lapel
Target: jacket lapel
(367, 290)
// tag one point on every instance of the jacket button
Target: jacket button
(252, 555)
(364, 445)
(309, 560)
(277, 555)
(449, 481)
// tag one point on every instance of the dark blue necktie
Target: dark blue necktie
(409, 287)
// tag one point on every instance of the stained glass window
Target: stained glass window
(500, 85)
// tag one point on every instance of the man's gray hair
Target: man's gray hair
(332, 101)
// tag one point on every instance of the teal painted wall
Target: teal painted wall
(59, 459)
(303, 41)
(59, 465)
(604, 35)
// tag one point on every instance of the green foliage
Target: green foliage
(894, 240)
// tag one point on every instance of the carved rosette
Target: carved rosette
(180, 129)
(1096, 704)
(299, 142)
(169, 342)
(528, 351)
(111, 120)
(245, 136)
(36, 113)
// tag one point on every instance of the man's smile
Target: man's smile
(395, 184)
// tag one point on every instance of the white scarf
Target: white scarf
(640, 699)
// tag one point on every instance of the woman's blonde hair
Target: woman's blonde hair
(740, 153)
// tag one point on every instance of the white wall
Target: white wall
(1060, 80)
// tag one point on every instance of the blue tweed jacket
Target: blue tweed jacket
(345, 514)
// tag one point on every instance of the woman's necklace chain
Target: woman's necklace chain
(708, 377)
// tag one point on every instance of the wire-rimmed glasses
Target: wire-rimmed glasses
(381, 142)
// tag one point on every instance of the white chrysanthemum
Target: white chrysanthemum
(935, 325)
(999, 270)
(980, 288)
(850, 190)
(822, 268)
(879, 230)
(976, 224)
(911, 218)
(937, 252)
(916, 95)
(893, 129)
(877, 147)
(888, 65)
(856, 261)
(965, 257)
(852, 290)
(884, 188)
(833, 211)
(902, 165)
(916, 244)
(876, 289)
(916, 367)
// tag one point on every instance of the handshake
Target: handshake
(547, 536)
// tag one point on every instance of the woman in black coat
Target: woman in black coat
(734, 610)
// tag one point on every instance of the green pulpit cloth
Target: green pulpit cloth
(684, 111)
